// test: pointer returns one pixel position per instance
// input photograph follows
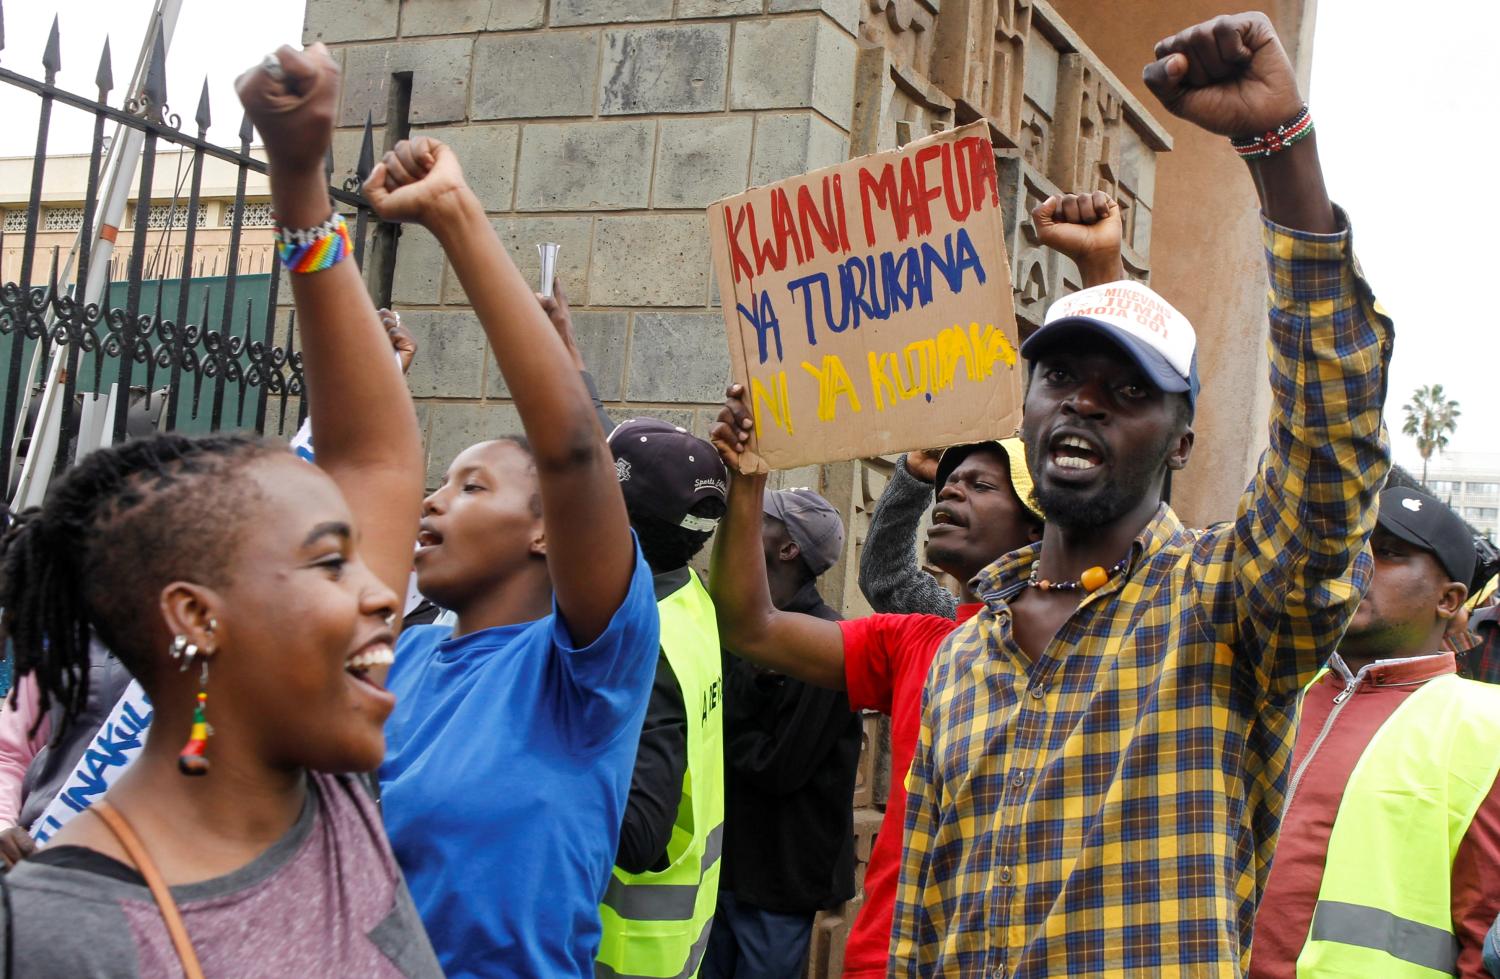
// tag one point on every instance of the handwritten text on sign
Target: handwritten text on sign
(868, 305)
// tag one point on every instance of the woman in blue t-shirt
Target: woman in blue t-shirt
(514, 734)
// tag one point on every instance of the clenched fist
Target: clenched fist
(401, 339)
(1228, 75)
(419, 180)
(730, 434)
(923, 464)
(293, 108)
(1087, 229)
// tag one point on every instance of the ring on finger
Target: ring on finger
(272, 66)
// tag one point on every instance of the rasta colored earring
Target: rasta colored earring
(193, 759)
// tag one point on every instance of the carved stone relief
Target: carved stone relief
(902, 27)
(1050, 102)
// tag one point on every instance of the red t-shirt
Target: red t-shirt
(885, 665)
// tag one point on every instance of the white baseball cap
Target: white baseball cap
(1155, 335)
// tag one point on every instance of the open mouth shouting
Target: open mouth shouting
(1072, 454)
(944, 519)
(427, 539)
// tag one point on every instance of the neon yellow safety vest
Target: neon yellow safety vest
(1384, 906)
(656, 924)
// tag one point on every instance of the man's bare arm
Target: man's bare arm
(802, 646)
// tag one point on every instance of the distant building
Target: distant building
(65, 184)
(1470, 483)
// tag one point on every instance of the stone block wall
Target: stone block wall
(606, 126)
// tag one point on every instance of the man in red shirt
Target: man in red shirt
(1388, 862)
(880, 660)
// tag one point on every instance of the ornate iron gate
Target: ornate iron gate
(207, 359)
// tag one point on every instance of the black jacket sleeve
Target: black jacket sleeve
(606, 423)
(656, 783)
(779, 732)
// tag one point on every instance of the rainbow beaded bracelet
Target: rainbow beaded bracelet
(1274, 141)
(314, 249)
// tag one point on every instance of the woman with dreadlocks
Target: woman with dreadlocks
(254, 596)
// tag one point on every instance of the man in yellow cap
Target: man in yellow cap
(891, 577)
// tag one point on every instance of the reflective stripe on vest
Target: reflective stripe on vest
(1384, 908)
(663, 902)
(656, 924)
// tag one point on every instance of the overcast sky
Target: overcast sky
(1402, 101)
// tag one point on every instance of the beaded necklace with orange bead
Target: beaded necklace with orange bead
(1090, 581)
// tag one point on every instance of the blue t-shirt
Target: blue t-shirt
(507, 767)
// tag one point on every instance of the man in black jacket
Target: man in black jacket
(791, 750)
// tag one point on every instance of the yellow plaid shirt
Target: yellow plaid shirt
(1112, 807)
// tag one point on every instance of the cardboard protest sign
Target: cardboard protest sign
(868, 305)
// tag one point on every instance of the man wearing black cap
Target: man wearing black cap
(660, 902)
(1389, 858)
(791, 750)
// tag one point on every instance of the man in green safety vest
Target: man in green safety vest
(659, 904)
(1388, 863)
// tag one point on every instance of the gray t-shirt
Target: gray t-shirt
(327, 899)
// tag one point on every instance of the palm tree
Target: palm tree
(1430, 418)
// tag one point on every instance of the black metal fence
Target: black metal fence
(194, 352)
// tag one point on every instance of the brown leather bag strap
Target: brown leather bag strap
(137, 851)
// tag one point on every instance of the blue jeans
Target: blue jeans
(748, 942)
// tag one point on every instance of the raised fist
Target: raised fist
(730, 433)
(1087, 229)
(923, 463)
(418, 180)
(1228, 75)
(293, 106)
(401, 339)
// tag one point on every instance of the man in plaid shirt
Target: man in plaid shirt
(1104, 747)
